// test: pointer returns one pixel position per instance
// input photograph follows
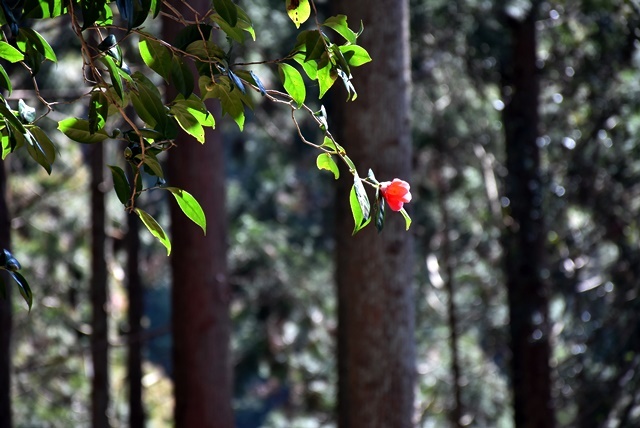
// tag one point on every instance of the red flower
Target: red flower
(396, 193)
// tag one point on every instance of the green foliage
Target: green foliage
(127, 106)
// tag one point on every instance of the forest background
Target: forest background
(512, 300)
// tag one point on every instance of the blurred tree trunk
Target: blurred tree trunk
(524, 236)
(98, 294)
(134, 315)
(202, 370)
(5, 311)
(376, 352)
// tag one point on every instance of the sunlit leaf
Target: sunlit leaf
(326, 161)
(98, 111)
(155, 229)
(9, 53)
(339, 24)
(360, 206)
(407, 219)
(292, 82)
(299, 11)
(189, 206)
(78, 130)
(157, 56)
(355, 55)
(227, 10)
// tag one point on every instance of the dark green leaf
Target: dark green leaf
(314, 46)
(98, 111)
(379, 211)
(37, 152)
(23, 286)
(5, 82)
(120, 184)
(181, 76)
(116, 80)
(227, 10)
(192, 33)
(231, 102)
(45, 143)
(155, 229)
(233, 32)
(190, 207)
(153, 166)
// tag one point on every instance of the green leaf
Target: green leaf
(227, 10)
(37, 152)
(23, 286)
(181, 76)
(197, 109)
(150, 108)
(299, 11)
(205, 50)
(10, 117)
(46, 145)
(233, 32)
(355, 55)
(155, 229)
(328, 142)
(188, 122)
(192, 33)
(407, 219)
(325, 161)
(152, 163)
(190, 207)
(326, 78)
(79, 130)
(314, 46)
(32, 37)
(310, 67)
(360, 206)
(120, 184)
(231, 102)
(339, 24)
(5, 82)
(157, 57)
(98, 111)
(116, 80)
(292, 82)
(9, 53)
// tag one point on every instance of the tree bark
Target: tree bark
(523, 238)
(376, 352)
(134, 318)
(98, 294)
(202, 371)
(5, 311)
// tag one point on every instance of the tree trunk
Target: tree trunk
(202, 371)
(524, 235)
(376, 352)
(98, 294)
(134, 315)
(5, 311)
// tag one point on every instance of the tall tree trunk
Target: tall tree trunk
(98, 294)
(523, 237)
(134, 315)
(202, 371)
(5, 311)
(376, 352)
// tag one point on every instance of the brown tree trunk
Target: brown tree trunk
(523, 237)
(98, 294)
(376, 352)
(202, 370)
(5, 311)
(134, 315)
